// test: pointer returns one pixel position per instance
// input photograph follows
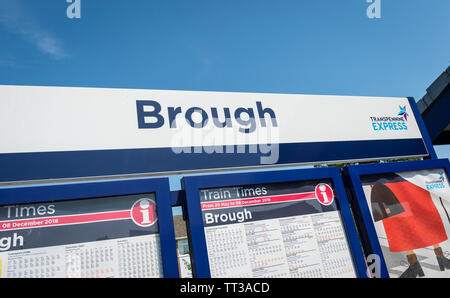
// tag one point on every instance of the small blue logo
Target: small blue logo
(403, 112)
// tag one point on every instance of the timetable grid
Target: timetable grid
(300, 246)
(290, 230)
(134, 257)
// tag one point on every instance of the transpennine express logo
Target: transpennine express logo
(391, 123)
(403, 112)
(441, 176)
(437, 183)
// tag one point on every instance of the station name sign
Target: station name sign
(101, 132)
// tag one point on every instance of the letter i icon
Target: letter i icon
(143, 212)
(324, 194)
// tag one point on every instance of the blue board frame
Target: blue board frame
(192, 185)
(86, 190)
(423, 129)
(352, 177)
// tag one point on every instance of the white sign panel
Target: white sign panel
(43, 119)
(123, 131)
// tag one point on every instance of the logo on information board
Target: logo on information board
(441, 176)
(324, 194)
(398, 122)
(438, 183)
(143, 212)
(403, 112)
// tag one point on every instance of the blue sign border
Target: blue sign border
(85, 190)
(423, 129)
(366, 227)
(192, 185)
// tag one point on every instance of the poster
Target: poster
(185, 266)
(410, 211)
(290, 229)
(88, 238)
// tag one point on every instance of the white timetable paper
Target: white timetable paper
(267, 241)
(129, 257)
(89, 238)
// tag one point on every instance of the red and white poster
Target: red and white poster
(290, 229)
(410, 211)
(100, 237)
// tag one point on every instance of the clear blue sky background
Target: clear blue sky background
(285, 46)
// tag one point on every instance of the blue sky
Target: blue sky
(298, 46)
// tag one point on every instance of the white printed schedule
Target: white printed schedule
(91, 238)
(129, 257)
(278, 234)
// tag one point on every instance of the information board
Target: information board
(274, 230)
(105, 132)
(408, 207)
(101, 237)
